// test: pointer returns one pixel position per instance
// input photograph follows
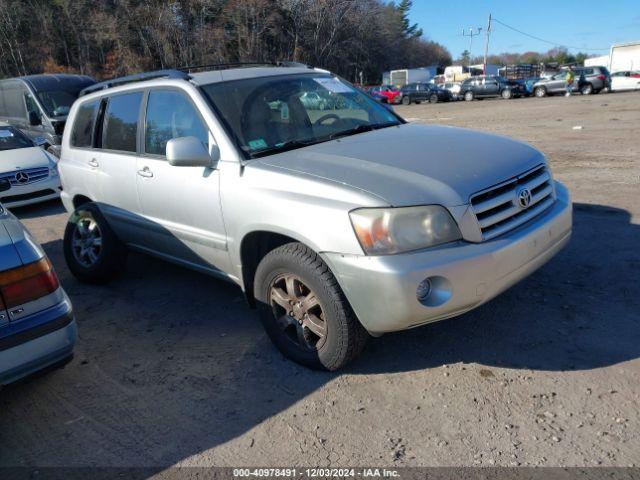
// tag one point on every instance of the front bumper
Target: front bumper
(41, 191)
(382, 289)
(48, 340)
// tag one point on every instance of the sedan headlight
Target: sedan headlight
(53, 170)
(382, 231)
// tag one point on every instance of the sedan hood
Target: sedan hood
(22, 158)
(415, 164)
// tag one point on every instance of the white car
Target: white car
(621, 81)
(31, 171)
(454, 88)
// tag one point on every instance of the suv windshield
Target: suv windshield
(268, 115)
(10, 139)
(57, 102)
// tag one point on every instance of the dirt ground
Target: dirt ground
(172, 368)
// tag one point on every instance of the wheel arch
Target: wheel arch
(253, 248)
(79, 200)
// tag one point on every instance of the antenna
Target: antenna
(471, 34)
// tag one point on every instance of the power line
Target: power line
(555, 44)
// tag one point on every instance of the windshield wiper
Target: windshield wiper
(283, 147)
(367, 127)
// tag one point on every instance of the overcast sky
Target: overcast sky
(593, 24)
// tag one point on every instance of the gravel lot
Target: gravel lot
(172, 367)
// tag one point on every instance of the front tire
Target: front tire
(433, 98)
(304, 311)
(406, 100)
(468, 96)
(507, 94)
(92, 251)
(540, 92)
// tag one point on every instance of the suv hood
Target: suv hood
(414, 164)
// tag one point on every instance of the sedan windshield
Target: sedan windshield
(10, 139)
(268, 115)
(57, 102)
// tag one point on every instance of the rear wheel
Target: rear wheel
(540, 92)
(468, 96)
(586, 89)
(433, 98)
(304, 310)
(506, 94)
(406, 100)
(92, 251)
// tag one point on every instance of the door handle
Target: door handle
(145, 172)
(93, 163)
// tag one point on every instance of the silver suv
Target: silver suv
(336, 223)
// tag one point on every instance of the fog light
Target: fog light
(424, 290)
(434, 291)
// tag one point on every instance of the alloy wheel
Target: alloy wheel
(298, 312)
(86, 242)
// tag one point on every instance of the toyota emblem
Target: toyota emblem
(524, 198)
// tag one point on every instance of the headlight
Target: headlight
(383, 231)
(53, 170)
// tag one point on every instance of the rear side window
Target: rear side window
(170, 114)
(83, 127)
(12, 99)
(121, 122)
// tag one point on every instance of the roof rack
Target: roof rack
(227, 66)
(138, 77)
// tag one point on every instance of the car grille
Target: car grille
(499, 208)
(26, 176)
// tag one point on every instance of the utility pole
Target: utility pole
(471, 34)
(486, 47)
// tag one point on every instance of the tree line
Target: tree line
(559, 55)
(108, 38)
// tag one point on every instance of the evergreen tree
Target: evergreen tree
(410, 31)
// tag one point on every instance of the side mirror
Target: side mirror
(190, 152)
(4, 185)
(34, 119)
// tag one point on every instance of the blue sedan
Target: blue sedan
(37, 327)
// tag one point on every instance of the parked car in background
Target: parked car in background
(313, 101)
(486, 86)
(336, 224)
(38, 104)
(527, 84)
(37, 328)
(588, 80)
(31, 171)
(628, 80)
(424, 92)
(386, 94)
(454, 88)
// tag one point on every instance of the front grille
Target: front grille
(498, 209)
(26, 176)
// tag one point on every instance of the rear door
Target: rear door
(116, 165)
(80, 164)
(491, 87)
(423, 92)
(181, 205)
